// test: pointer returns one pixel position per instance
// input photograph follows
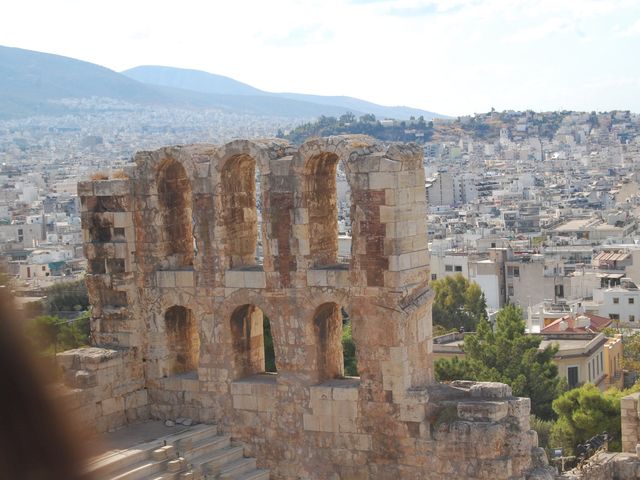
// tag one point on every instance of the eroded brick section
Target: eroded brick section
(174, 198)
(280, 211)
(373, 261)
(176, 291)
(182, 338)
(239, 209)
(320, 200)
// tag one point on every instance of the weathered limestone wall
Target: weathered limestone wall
(178, 291)
(630, 415)
(105, 387)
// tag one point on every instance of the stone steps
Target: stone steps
(212, 465)
(237, 468)
(255, 475)
(197, 454)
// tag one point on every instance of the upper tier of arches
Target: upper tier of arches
(269, 206)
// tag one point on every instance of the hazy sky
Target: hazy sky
(448, 56)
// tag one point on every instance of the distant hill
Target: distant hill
(30, 80)
(200, 81)
(195, 80)
(356, 105)
(34, 83)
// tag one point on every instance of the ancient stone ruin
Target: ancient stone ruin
(180, 302)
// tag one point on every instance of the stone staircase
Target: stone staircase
(197, 454)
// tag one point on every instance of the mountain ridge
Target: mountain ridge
(213, 83)
(38, 83)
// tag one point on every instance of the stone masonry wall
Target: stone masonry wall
(105, 387)
(630, 415)
(180, 297)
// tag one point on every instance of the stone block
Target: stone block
(346, 393)
(185, 278)
(266, 403)
(234, 279)
(165, 278)
(345, 408)
(412, 413)
(322, 407)
(85, 189)
(111, 187)
(361, 442)
(382, 180)
(245, 402)
(310, 422)
(483, 410)
(490, 390)
(122, 220)
(112, 405)
(389, 165)
(520, 407)
(255, 279)
(136, 399)
(327, 423)
(387, 214)
(241, 388)
(190, 385)
(346, 425)
(630, 402)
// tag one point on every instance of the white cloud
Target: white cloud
(452, 56)
(632, 30)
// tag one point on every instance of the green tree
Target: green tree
(585, 412)
(458, 303)
(543, 429)
(51, 334)
(347, 118)
(67, 297)
(631, 355)
(269, 351)
(75, 333)
(510, 356)
(44, 331)
(368, 118)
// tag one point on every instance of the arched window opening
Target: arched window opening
(182, 339)
(348, 346)
(269, 350)
(322, 207)
(241, 203)
(252, 341)
(343, 193)
(174, 196)
(335, 352)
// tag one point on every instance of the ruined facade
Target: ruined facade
(179, 305)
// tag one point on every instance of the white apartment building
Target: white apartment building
(444, 264)
(620, 303)
(440, 189)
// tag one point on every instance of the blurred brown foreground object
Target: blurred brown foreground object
(36, 439)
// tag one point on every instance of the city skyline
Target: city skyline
(454, 58)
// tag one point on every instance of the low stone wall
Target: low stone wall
(630, 417)
(104, 387)
(466, 430)
(606, 466)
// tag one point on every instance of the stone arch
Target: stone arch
(239, 212)
(175, 202)
(327, 328)
(182, 337)
(317, 163)
(247, 324)
(320, 200)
